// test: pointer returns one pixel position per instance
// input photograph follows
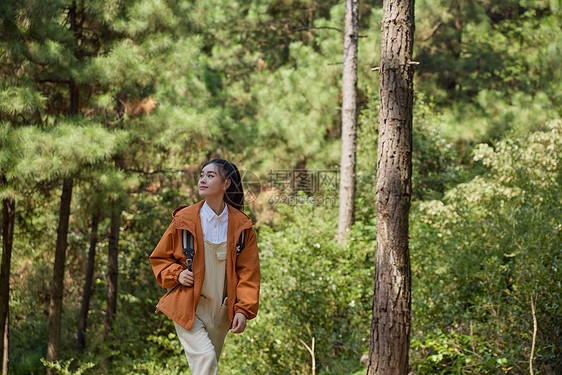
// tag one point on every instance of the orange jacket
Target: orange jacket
(242, 272)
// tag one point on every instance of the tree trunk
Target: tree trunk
(112, 270)
(82, 321)
(57, 288)
(6, 341)
(390, 326)
(349, 118)
(8, 219)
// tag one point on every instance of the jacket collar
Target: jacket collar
(187, 217)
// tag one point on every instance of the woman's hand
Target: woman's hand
(238, 323)
(185, 278)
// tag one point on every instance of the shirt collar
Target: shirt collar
(210, 215)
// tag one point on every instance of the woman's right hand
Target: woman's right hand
(185, 278)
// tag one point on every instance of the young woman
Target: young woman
(222, 291)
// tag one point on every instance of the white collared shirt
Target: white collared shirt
(214, 226)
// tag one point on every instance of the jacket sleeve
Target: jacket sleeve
(248, 271)
(165, 266)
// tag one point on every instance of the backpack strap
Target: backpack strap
(241, 243)
(188, 247)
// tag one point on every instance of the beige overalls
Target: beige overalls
(203, 343)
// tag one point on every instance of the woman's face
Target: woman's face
(211, 184)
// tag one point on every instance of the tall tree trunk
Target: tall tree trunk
(112, 270)
(8, 219)
(390, 326)
(57, 288)
(6, 341)
(82, 321)
(349, 118)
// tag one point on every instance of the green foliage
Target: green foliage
(311, 288)
(490, 66)
(16, 100)
(451, 353)
(480, 253)
(62, 367)
(45, 154)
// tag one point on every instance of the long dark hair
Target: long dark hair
(234, 195)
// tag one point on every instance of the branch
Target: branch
(534, 334)
(325, 27)
(433, 31)
(25, 121)
(53, 80)
(378, 68)
(148, 173)
(311, 351)
(319, 27)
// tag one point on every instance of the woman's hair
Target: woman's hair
(234, 195)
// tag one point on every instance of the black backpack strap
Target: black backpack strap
(188, 247)
(241, 243)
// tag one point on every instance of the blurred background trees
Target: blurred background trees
(127, 101)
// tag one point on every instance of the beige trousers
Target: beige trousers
(203, 343)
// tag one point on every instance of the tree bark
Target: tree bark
(112, 270)
(83, 319)
(6, 341)
(390, 326)
(8, 219)
(349, 119)
(57, 288)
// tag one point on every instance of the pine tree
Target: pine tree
(8, 220)
(57, 287)
(390, 325)
(88, 281)
(349, 118)
(43, 110)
